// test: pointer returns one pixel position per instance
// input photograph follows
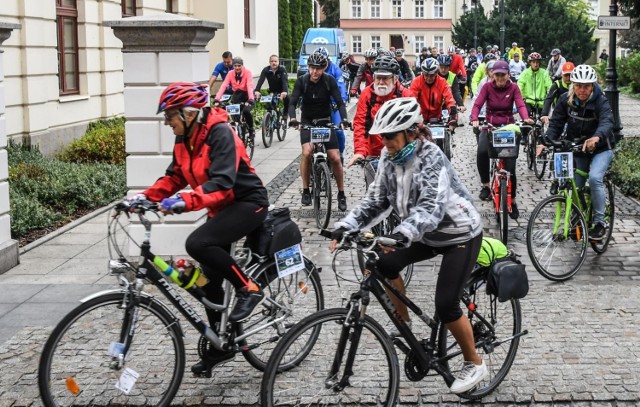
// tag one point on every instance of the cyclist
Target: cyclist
(406, 74)
(316, 89)
(386, 86)
(457, 67)
(555, 64)
(364, 72)
(348, 63)
(500, 94)
(438, 217)
(488, 70)
(433, 93)
(222, 69)
(278, 80)
(513, 50)
(472, 65)
(480, 72)
(534, 84)
(516, 66)
(209, 157)
(558, 88)
(479, 55)
(241, 81)
(444, 62)
(586, 112)
(424, 54)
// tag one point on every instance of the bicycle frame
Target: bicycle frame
(569, 189)
(499, 173)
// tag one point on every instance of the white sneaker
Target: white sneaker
(469, 377)
(394, 331)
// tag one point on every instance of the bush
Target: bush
(626, 167)
(629, 72)
(104, 142)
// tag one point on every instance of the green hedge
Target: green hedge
(626, 167)
(103, 142)
(628, 70)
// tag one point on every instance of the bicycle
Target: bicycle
(546, 156)
(561, 233)
(441, 134)
(274, 119)
(531, 140)
(338, 369)
(237, 121)
(124, 345)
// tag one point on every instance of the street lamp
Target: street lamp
(475, 23)
(502, 29)
(611, 78)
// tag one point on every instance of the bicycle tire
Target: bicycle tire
(75, 359)
(375, 382)
(566, 256)
(267, 129)
(492, 332)
(282, 129)
(531, 148)
(300, 293)
(503, 215)
(447, 144)
(539, 165)
(609, 217)
(322, 195)
(249, 142)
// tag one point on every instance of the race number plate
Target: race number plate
(437, 132)
(320, 135)
(503, 138)
(266, 99)
(563, 165)
(289, 260)
(233, 109)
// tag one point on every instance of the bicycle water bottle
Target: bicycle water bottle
(189, 274)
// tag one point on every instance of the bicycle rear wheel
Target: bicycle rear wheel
(556, 257)
(503, 215)
(609, 216)
(496, 328)
(322, 194)
(76, 369)
(290, 299)
(320, 378)
(267, 129)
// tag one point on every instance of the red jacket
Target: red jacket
(432, 97)
(216, 166)
(370, 145)
(457, 66)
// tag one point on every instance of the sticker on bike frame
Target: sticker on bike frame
(224, 98)
(320, 135)
(563, 165)
(445, 113)
(289, 260)
(503, 138)
(233, 109)
(127, 380)
(266, 99)
(437, 132)
(115, 349)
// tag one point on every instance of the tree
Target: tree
(331, 10)
(296, 24)
(307, 14)
(463, 30)
(631, 8)
(284, 29)
(630, 38)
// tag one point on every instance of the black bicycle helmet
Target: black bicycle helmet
(384, 64)
(317, 59)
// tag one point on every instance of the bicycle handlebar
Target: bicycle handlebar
(136, 206)
(362, 239)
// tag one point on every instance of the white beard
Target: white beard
(382, 90)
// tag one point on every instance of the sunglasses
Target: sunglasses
(168, 116)
(388, 136)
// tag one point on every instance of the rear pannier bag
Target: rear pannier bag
(277, 232)
(507, 278)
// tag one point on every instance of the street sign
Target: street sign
(614, 22)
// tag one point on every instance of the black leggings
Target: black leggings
(482, 161)
(457, 262)
(210, 245)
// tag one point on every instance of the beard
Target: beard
(382, 90)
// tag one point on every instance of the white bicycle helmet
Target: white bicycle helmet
(371, 53)
(429, 66)
(584, 74)
(396, 115)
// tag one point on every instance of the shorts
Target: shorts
(332, 144)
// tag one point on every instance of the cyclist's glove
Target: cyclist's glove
(346, 124)
(337, 234)
(175, 204)
(402, 240)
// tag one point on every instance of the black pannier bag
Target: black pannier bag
(277, 232)
(507, 279)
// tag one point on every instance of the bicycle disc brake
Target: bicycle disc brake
(412, 368)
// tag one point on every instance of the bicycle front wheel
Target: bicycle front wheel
(531, 149)
(496, 331)
(267, 129)
(322, 194)
(290, 299)
(447, 145)
(503, 214)
(76, 368)
(249, 142)
(557, 238)
(282, 131)
(322, 378)
(539, 165)
(600, 246)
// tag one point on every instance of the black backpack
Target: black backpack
(276, 233)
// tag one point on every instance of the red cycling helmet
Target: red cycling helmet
(183, 94)
(534, 56)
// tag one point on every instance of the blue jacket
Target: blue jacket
(335, 71)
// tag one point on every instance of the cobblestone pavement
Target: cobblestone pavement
(582, 346)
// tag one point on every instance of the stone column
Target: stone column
(8, 247)
(158, 50)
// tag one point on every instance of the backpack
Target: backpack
(368, 120)
(507, 278)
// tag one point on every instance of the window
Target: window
(418, 11)
(247, 19)
(356, 44)
(375, 9)
(418, 43)
(170, 6)
(67, 30)
(356, 8)
(375, 41)
(438, 8)
(438, 42)
(128, 8)
(396, 8)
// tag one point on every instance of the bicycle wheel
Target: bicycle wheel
(503, 215)
(539, 165)
(267, 129)
(447, 144)
(282, 131)
(555, 256)
(494, 326)
(531, 148)
(76, 369)
(320, 378)
(249, 142)
(290, 299)
(322, 194)
(609, 216)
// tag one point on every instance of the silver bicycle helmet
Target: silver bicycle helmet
(384, 64)
(584, 74)
(396, 115)
(444, 60)
(490, 57)
(317, 59)
(371, 53)
(429, 66)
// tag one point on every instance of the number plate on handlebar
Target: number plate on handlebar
(563, 165)
(224, 98)
(320, 135)
(266, 99)
(502, 138)
(233, 109)
(437, 132)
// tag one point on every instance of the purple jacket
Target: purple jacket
(499, 103)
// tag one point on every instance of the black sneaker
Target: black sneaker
(245, 303)
(213, 358)
(342, 202)
(485, 194)
(306, 198)
(597, 233)
(515, 213)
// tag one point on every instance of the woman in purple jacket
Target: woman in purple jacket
(499, 94)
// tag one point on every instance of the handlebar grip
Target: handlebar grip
(387, 241)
